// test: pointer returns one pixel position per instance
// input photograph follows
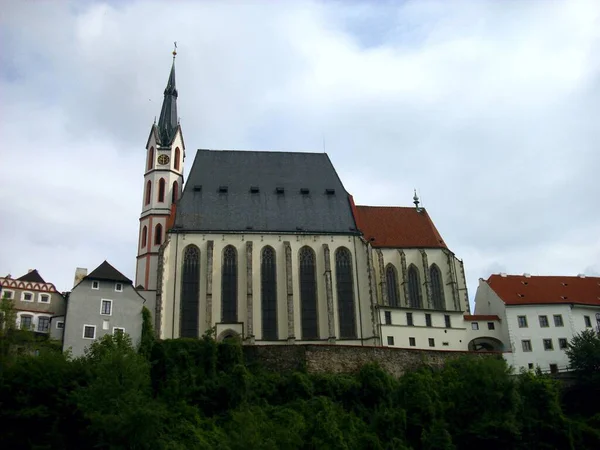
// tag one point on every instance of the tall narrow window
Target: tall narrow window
(175, 193)
(308, 294)
(161, 190)
(158, 234)
(345, 293)
(229, 285)
(144, 236)
(148, 192)
(437, 288)
(151, 158)
(414, 287)
(268, 289)
(190, 290)
(392, 285)
(177, 158)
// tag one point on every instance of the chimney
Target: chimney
(80, 274)
(503, 274)
(527, 275)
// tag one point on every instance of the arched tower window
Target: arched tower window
(161, 190)
(414, 287)
(150, 158)
(177, 158)
(148, 192)
(144, 236)
(158, 234)
(229, 285)
(308, 294)
(268, 289)
(175, 193)
(345, 293)
(190, 292)
(437, 288)
(391, 279)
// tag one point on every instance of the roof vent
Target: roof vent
(330, 191)
(503, 274)
(527, 275)
(521, 295)
(279, 190)
(249, 227)
(581, 275)
(564, 297)
(304, 191)
(525, 282)
(254, 189)
(299, 228)
(197, 188)
(223, 189)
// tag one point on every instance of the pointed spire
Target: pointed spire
(167, 123)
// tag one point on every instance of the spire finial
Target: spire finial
(174, 50)
(416, 200)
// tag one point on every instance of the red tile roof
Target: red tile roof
(398, 227)
(527, 290)
(476, 317)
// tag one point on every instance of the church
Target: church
(269, 247)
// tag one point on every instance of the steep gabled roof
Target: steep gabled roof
(107, 272)
(398, 227)
(537, 290)
(261, 191)
(32, 276)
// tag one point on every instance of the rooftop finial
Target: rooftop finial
(416, 200)
(174, 49)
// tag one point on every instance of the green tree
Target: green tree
(148, 338)
(584, 354)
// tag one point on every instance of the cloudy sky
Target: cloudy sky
(491, 109)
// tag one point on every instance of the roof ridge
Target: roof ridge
(258, 151)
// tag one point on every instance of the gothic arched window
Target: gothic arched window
(308, 294)
(161, 190)
(175, 193)
(229, 285)
(345, 293)
(158, 234)
(190, 291)
(177, 158)
(144, 236)
(268, 289)
(391, 279)
(437, 288)
(414, 287)
(150, 158)
(148, 192)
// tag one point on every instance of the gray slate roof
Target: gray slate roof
(32, 276)
(253, 200)
(107, 272)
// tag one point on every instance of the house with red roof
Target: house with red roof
(540, 315)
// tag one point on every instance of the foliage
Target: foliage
(200, 394)
(148, 338)
(584, 353)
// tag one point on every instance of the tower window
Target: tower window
(177, 158)
(175, 193)
(151, 158)
(161, 190)
(144, 236)
(158, 234)
(148, 192)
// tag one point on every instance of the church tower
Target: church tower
(163, 184)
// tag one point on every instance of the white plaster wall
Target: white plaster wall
(174, 261)
(487, 302)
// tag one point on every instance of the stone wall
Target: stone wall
(347, 359)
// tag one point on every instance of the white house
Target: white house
(540, 314)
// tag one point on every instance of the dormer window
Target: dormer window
(95, 285)
(223, 189)
(197, 188)
(254, 190)
(305, 191)
(118, 287)
(330, 191)
(280, 190)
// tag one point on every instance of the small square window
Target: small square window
(544, 321)
(412, 341)
(522, 321)
(44, 298)
(8, 294)
(121, 330)
(106, 309)
(558, 320)
(388, 317)
(390, 340)
(428, 320)
(553, 368)
(588, 321)
(95, 285)
(491, 326)
(475, 326)
(447, 321)
(119, 287)
(60, 325)
(409, 319)
(548, 345)
(526, 345)
(530, 366)
(562, 343)
(89, 331)
(431, 342)
(27, 297)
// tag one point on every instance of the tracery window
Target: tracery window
(414, 287)
(229, 285)
(268, 289)
(308, 294)
(437, 288)
(190, 292)
(391, 279)
(345, 293)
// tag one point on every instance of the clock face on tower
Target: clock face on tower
(163, 159)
